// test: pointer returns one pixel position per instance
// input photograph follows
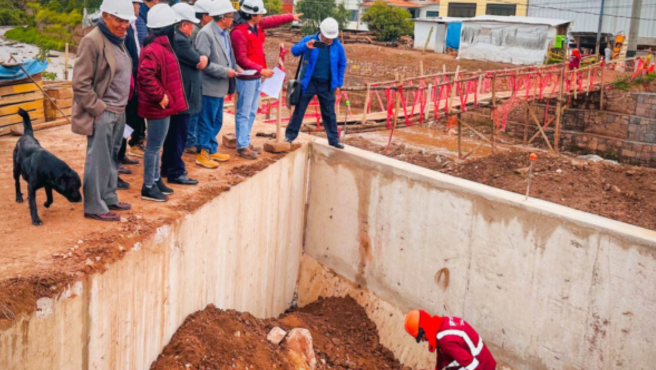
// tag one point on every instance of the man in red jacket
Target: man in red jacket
(247, 40)
(458, 345)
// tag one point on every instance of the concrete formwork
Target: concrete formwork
(239, 251)
(548, 287)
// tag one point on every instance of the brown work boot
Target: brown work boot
(219, 157)
(203, 159)
(247, 153)
(256, 149)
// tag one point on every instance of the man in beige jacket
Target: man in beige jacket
(101, 87)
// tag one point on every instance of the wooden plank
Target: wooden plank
(6, 130)
(12, 109)
(56, 114)
(17, 89)
(21, 98)
(15, 118)
(61, 103)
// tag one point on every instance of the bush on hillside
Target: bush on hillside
(11, 15)
(273, 7)
(388, 22)
(314, 11)
(31, 35)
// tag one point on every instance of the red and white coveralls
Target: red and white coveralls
(458, 345)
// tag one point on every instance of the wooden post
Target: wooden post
(421, 67)
(367, 99)
(453, 89)
(426, 44)
(601, 100)
(66, 63)
(397, 98)
(494, 107)
(525, 123)
(558, 111)
(459, 137)
(429, 99)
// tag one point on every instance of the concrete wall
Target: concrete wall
(239, 251)
(547, 287)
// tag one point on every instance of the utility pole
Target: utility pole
(634, 29)
(601, 20)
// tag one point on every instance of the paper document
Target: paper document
(248, 72)
(272, 86)
(127, 131)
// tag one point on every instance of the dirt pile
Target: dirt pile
(620, 192)
(344, 338)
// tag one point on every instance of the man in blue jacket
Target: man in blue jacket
(142, 19)
(322, 75)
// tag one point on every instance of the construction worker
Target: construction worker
(191, 64)
(202, 10)
(213, 40)
(101, 90)
(323, 75)
(161, 95)
(575, 60)
(458, 345)
(248, 42)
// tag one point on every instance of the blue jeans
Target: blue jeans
(247, 104)
(210, 122)
(157, 130)
(172, 164)
(192, 138)
(327, 103)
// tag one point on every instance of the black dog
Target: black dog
(41, 169)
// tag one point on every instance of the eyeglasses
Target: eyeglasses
(228, 16)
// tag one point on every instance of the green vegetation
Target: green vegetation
(52, 27)
(11, 13)
(315, 11)
(273, 7)
(625, 81)
(389, 22)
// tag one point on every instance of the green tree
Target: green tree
(273, 7)
(11, 14)
(315, 11)
(388, 22)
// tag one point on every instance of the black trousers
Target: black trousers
(326, 98)
(137, 123)
(172, 164)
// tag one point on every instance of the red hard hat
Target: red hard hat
(412, 323)
(576, 52)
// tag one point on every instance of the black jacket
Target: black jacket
(191, 76)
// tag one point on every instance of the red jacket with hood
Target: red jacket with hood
(458, 345)
(159, 74)
(248, 44)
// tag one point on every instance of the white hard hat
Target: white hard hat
(221, 7)
(120, 8)
(203, 6)
(329, 28)
(253, 7)
(186, 12)
(137, 1)
(162, 15)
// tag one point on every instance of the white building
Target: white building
(417, 9)
(509, 39)
(437, 41)
(585, 16)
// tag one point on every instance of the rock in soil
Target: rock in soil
(276, 335)
(342, 338)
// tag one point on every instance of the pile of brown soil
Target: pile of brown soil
(616, 191)
(344, 338)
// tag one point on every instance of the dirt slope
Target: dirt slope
(344, 338)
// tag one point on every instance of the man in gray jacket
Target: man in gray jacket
(214, 40)
(101, 88)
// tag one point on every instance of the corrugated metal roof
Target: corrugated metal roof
(585, 15)
(439, 20)
(515, 19)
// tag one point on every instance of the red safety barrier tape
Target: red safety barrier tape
(390, 107)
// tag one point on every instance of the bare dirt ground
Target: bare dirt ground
(40, 261)
(620, 192)
(344, 338)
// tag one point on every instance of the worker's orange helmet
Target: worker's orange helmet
(412, 323)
